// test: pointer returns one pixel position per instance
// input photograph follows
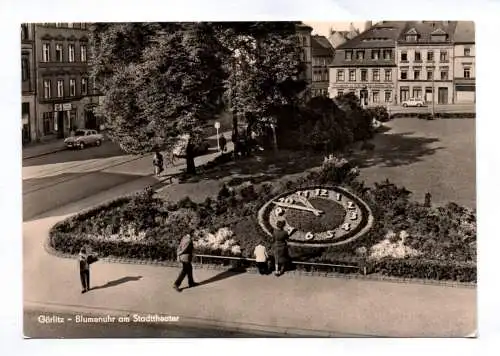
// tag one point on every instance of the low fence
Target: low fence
(242, 262)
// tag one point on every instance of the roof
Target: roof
(425, 29)
(382, 35)
(465, 32)
(321, 46)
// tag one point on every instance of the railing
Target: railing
(312, 266)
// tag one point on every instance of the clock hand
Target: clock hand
(305, 201)
(299, 207)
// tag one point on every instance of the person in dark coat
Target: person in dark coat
(223, 143)
(84, 262)
(185, 256)
(280, 248)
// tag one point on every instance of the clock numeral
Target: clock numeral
(281, 200)
(354, 215)
(321, 192)
(303, 193)
(309, 235)
(346, 226)
(339, 197)
(289, 200)
(290, 229)
(350, 205)
(330, 234)
(279, 211)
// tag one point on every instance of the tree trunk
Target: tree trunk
(190, 166)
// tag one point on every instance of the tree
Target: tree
(159, 80)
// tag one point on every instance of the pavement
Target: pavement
(438, 108)
(291, 305)
(41, 149)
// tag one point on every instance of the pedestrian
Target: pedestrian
(280, 248)
(261, 257)
(185, 256)
(158, 163)
(223, 143)
(85, 260)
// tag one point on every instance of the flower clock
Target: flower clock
(317, 216)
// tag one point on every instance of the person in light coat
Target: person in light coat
(185, 256)
(261, 257)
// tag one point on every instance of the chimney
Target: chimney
(368, 25)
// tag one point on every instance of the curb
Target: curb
(193, 322)
(44, 153)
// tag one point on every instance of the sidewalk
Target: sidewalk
(41, 149)
(293, 304)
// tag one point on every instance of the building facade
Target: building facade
(425, 61)
(322, 58)
(305, 43)
(366, 65)
(28, 83)
(464, 73)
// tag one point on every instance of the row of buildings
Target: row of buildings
(393, 61)
(57, 94)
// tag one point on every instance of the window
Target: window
(467, 52)
(348, 55)
(387, 96)
(364, 75)
(340, 76)
(404, 56)
(360, 55)
(340, 92)
(404, 74)
(46, 52)
(72, 87)
(430, 56)
(71, 53)
(404, 94)
(443, 57)
(417, 93)
(387, 54)
(416, 75)
(376, 96)
(376, 75)
(25, 69)
(444, 75)
(24, 32)
(84, 25)
(48, 122)
(83, 88)
(352, 75)
(388, 75)
(46, 89)
(418, 56)
(59, 52)
(375, 54)
(411, 38)
(466, 72)
(60, 88)
(430, 74)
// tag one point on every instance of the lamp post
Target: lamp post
(433, 79)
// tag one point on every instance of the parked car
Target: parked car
(83, 138)
(413, 102)
(200, 148)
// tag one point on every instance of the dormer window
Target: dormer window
(360, 55)
(348, 55)
(411, 38)
(439, 35)
(375, 54)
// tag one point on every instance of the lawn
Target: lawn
(436, 156)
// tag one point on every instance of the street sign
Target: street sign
(66, 107)
(217, 125)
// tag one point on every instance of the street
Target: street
(441, 108)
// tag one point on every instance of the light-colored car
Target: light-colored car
(83, 138)
(413, 102)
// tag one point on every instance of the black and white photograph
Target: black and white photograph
(249, 179)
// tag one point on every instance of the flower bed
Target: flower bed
(408, 239)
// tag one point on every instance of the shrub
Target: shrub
(379, 113)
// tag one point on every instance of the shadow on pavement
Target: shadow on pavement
(117, 282)
(223, 275)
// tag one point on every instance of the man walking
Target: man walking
(185, 256)
(84, 261)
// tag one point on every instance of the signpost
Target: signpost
(217, 127)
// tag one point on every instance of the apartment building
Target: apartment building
(322, 58)
(464, 73)
(425, 61)
(28, 83)
(305, 43)
(366, 65)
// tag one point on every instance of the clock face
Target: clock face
(317, 216)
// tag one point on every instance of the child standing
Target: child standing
(261, 257)
(84, 261)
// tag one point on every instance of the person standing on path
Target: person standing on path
(223, 143)
(84, 261)
(185, 256)
(158, 163)
(280, 248)
(261, 257)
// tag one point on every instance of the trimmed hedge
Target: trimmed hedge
(439, 115)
